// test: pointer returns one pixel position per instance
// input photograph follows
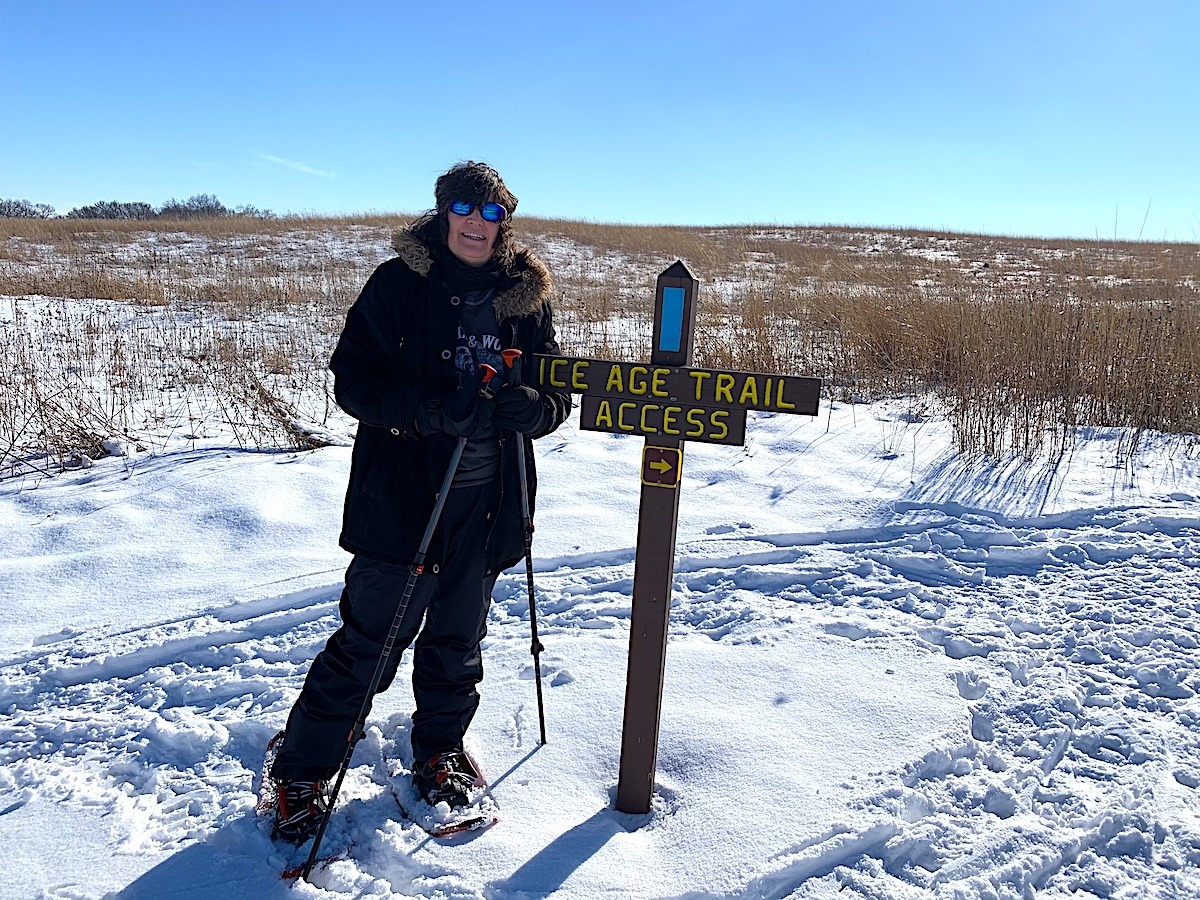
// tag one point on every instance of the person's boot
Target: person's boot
(448, 777)
(299, 806)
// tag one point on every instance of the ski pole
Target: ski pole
(418, 567)
(513, 359)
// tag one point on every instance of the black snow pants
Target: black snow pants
(447, 664)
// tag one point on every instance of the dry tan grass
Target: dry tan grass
(60, 230)
(1022, 339)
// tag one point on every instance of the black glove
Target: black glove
(464, 413)
(519, 408)
(468, 424)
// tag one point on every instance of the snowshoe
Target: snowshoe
(446, 796)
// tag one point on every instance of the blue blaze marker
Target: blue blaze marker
(670, 328)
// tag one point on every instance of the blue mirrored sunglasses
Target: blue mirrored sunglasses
(492, 212)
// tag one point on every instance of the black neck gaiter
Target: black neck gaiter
(458, 276)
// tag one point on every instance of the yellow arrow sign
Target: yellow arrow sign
(661, 466)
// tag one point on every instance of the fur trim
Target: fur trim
(412, 252)
(524, 298)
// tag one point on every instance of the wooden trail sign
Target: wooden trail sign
(667, 402)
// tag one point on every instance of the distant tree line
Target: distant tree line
(23, 209)
(199, 206)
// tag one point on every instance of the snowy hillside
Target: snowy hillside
(893, 673)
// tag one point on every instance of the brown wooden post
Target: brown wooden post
(666, 402)
(654, 568)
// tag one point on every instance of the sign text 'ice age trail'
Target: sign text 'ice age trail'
(679, 384)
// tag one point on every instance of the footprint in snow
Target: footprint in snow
(971, 685)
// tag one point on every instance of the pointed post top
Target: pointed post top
(677, 270)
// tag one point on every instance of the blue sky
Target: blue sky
(1036, 118)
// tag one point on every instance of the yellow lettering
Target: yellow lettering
(615, 380)
(604, 414)
(641, 386)
(669, 415)
(555, 378)
(767, 394)
(658, 383)
(621, 407)
(699, 376)
(718, 420)
(724, 389)
(695, 417)
(578, 373)
(780, 402)
(749, 392)
(646, 429)
(542, 371)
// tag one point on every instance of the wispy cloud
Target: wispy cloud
(299, 167)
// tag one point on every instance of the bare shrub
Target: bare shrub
(198, 206)
(113, 209)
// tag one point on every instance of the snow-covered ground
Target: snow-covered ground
(893, 673)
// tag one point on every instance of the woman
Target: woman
(408, 367)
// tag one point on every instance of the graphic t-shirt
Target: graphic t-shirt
(478, 335)
(478, 344)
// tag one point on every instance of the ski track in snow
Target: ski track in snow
(1076, 636)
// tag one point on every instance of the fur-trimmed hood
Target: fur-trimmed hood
(524, 298)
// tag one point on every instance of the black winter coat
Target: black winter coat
(396, 352)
